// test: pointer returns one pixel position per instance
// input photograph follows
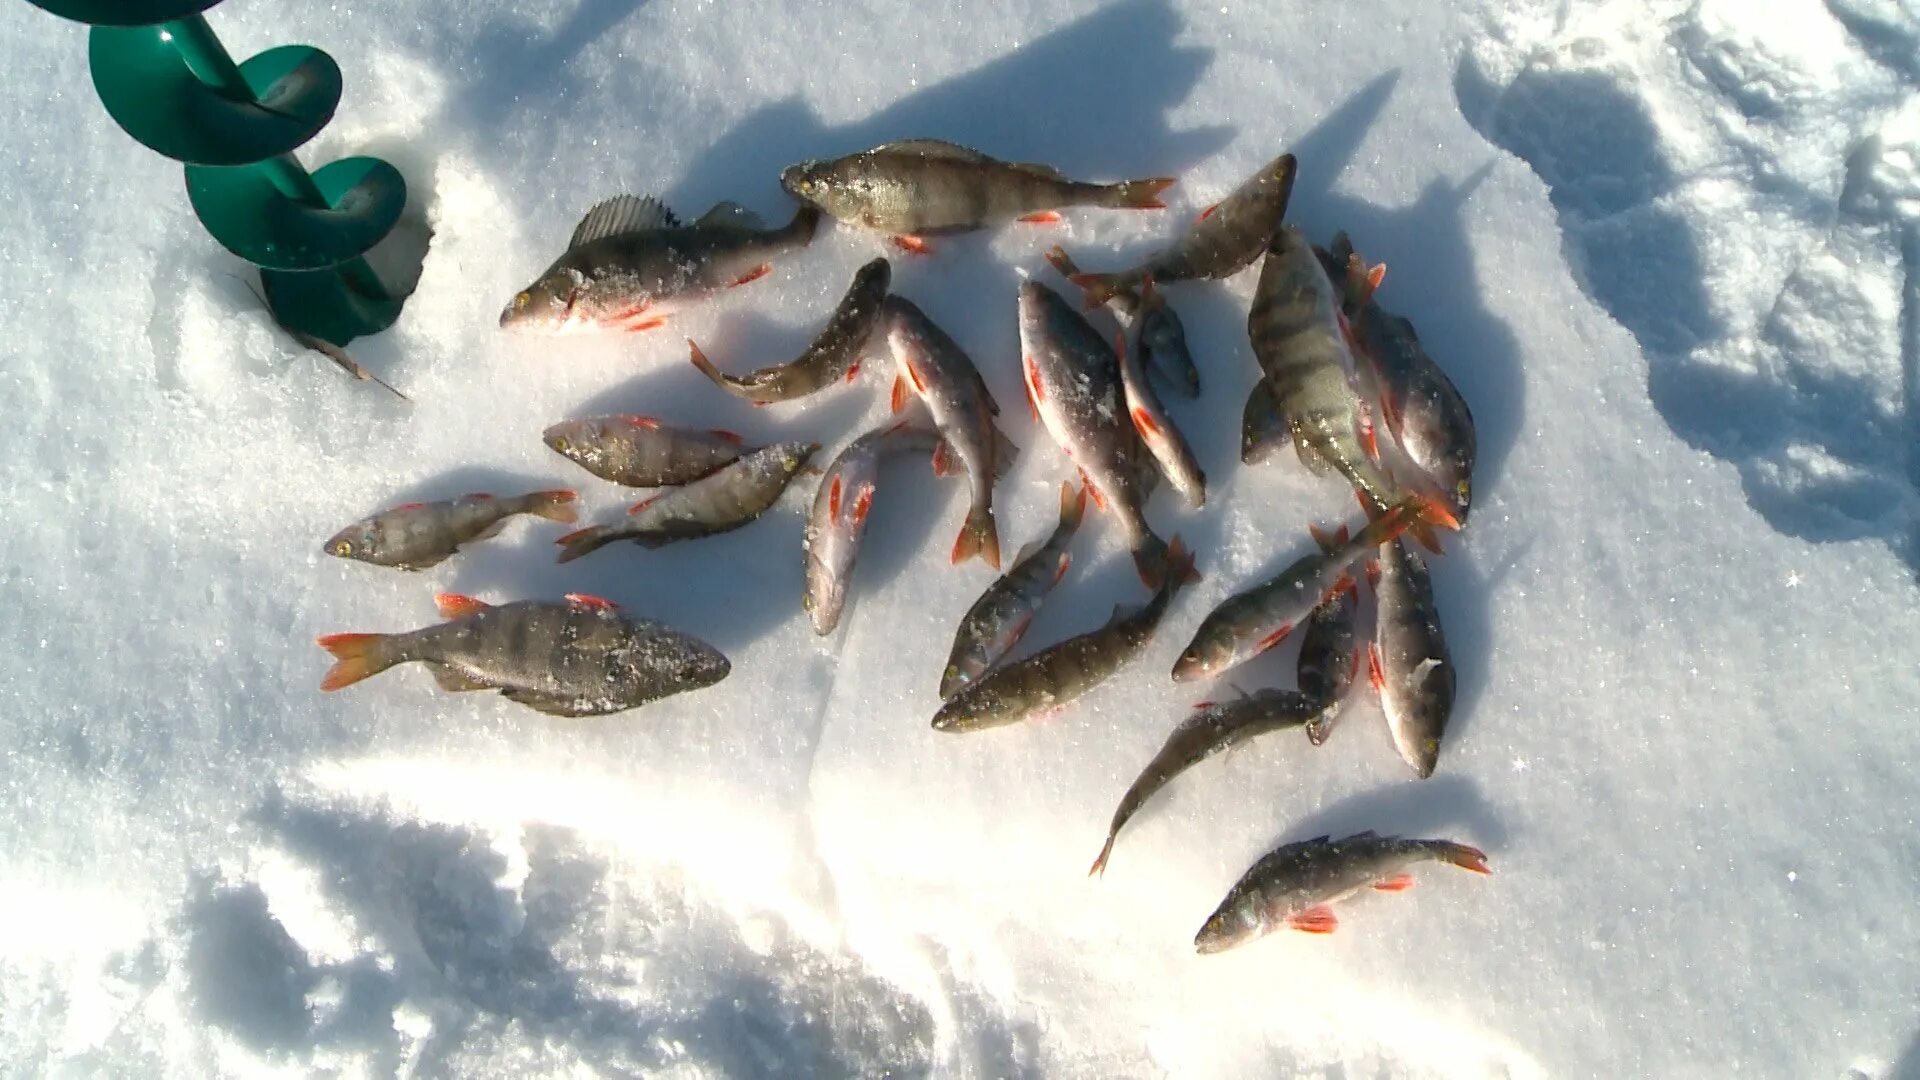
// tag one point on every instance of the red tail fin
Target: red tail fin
(1099, 288)
(1106, 852)
(978, 537)
(1462, 856)
(706, 366)
(356, 656)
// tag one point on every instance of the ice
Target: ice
(1666, 250)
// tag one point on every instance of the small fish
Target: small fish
(839, 516)
(1296, 884)
(1227, 239)
(999, 619)
(921, 187)
(1301, 339)
(1409, 662)
(631, 263)
(580, 657)
(1157, 432)
(935, 368)
(422, 534)
(1154, 325)
(833, 356)
(1429, 420)
(1073, 384)
(1330, 651)
(1056, 676)
(639, 451)
(719, 503)
(1209, 729)
(1251, 622)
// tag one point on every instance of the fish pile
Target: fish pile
(1346, 382)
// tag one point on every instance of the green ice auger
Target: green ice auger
(166, 79)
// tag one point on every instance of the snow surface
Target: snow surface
(1670, 251)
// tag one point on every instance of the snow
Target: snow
(1667, 250)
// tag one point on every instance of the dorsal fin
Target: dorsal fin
(1040, 169)
(730, 214)
(622, 214)
(933, 148)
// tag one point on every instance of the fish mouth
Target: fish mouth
(1214, 938)
(1187, 670)
(796, 180)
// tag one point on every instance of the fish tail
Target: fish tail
(1460, 855)
(554, 506)
(1073, 505)
(355, 657)
(1138, 194)
(584, 541)
(1157, 560)
(978, 537)
(1099, 288)
(706, 367)
(805, 221)
(1106, 852)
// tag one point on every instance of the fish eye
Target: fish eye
(560, 443)
(1463, 490)
(806, 602)
(520, 302)
(343, 547)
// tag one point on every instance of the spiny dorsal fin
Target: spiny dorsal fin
(622, 214)
(730, 214)
(933, 148)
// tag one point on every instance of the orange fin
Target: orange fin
(1396, 883)
(854, 370)
(942, 459)
(1044, 217)
(1099, 500)
(1464, 857)
(647, 422)
(1143, 194)
(913, 245)
(897, 400)
(1274, 638)
(833, 499)
(862, 504)
(1066, 560)
(1318, 919)
(353, 659)
(1207, 213)
(727, 436)
(556, 506)
(408, 506)
(1143, 420)
(754, 274)
(635, 508)
(1322, 537)
(919, 384)
(454, 605)
(592, 601)
(1375, 674)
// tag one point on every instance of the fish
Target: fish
(1210, 728)
(1228, 237)
(1058, 675)
(1296, 884)
(839, 516)
(999, 618)
(721, 502)
(1155, 326)
(935, 368)
(640, 451)
(1157, 432)
(833, 356)
(1251, 622)
(917, 188)
(1420, 406)
(1408, 660)
(422, 534)
(630, 264)
(1330, 650)
(1301, 339)
(578, 657)
(1073, 384)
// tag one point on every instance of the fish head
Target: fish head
(698, 665)
(356, 541)
(1230, 926)
(551, 303)
(1209, 653)
(818, 183)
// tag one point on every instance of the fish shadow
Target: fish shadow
(1012, 107)
(1437, 807)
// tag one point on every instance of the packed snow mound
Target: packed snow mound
(1664, 248)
